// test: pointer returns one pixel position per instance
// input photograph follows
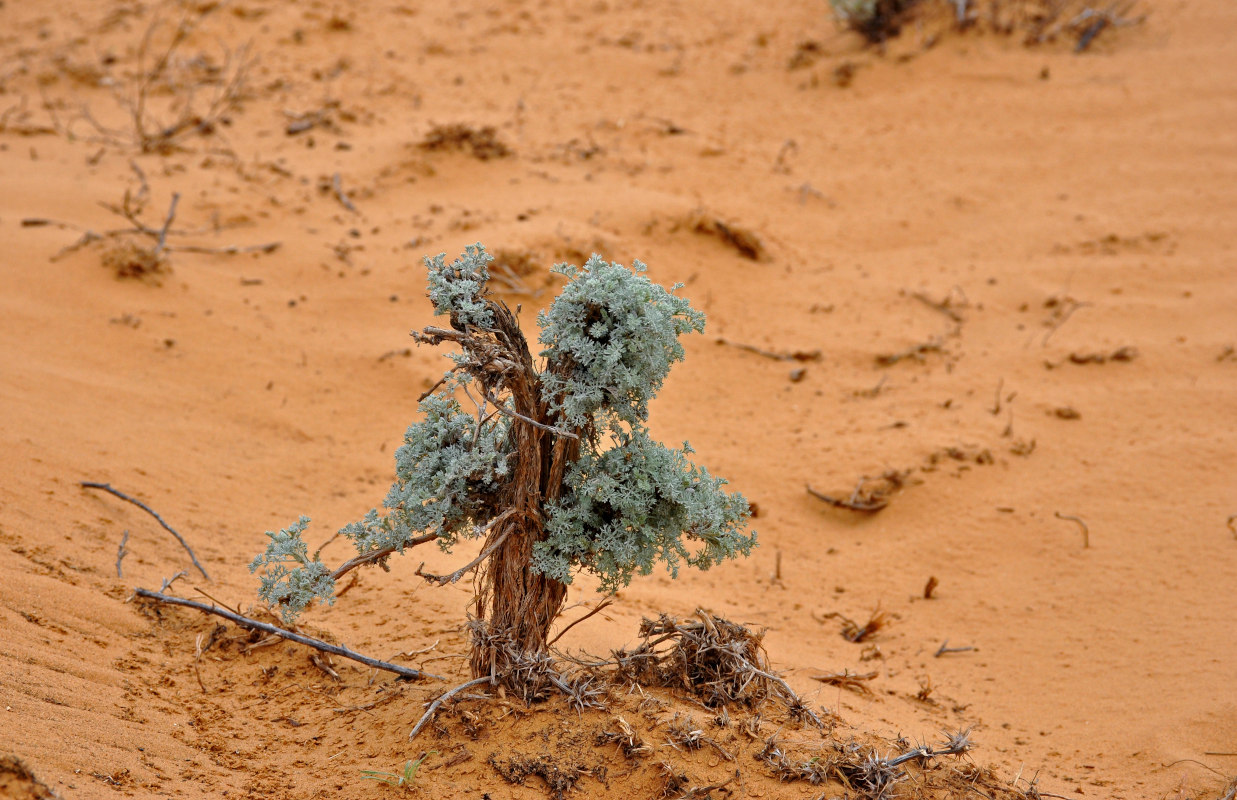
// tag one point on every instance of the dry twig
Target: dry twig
(338, 187)
(1086, 533)
(121, 552)
(598, 608)
(915, 351)
(945, 649)
(848, 680)
(792, 355)
(308, 641)
(107, 488)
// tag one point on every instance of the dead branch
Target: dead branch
(571, 625)
(167, 582)
(161, 238)
(317, 644)
(945, 649)
(107, 488)
(792, 355)
(870, 494)
(502, 409)
(848, 680)
(1086, 533)
(378, 556)
(227, 250)
(444, 697)
(916, 352)
(697, 792)
(131, 206)
(943, 306)
(324, 666)
(146, 131)
(443, 580)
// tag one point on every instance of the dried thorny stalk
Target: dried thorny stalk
(628, 740)
(857, 768)
(719, 661)
(674, 783)
(684, 732)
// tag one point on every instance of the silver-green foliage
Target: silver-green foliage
(292, 587)
(631, 505)
(446, 473)
(609, 341)
(855, 12)
(619, 332)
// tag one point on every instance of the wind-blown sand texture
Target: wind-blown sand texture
(956, 243)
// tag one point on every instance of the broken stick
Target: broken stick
(107, 488)
(1086, 533)
(308, 641)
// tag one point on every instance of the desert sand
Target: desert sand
(1008, 274)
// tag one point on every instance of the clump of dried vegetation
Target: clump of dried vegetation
(168, 96)
(481, 143)
(1038, 22)
(721, 662)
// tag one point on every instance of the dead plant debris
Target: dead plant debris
(1124, 354)
(777, 355)
(517, 769)
(719, 661)
(853, 631)
(481, 143)
(846, 679)
(915, 352)
(747, 243)
(869, 495)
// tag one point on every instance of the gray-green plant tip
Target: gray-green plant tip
(619, 503)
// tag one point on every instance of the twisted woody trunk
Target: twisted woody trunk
(515, 606)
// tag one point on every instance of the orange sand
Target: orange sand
(244, 390)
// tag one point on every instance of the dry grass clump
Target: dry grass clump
(480, 143)
(1037, 21)
(126, 258)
